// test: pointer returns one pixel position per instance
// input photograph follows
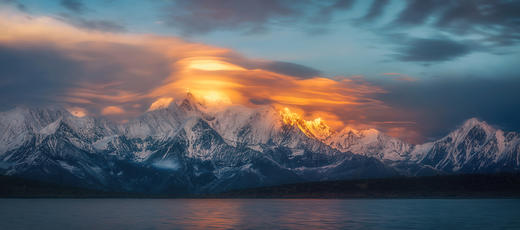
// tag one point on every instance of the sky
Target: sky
(414, 69)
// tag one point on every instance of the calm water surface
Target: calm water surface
(259, 214)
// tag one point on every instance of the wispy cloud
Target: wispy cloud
(432, 50)
(92, 24)
(76, 6)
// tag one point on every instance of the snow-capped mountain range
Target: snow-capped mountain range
(189, 147)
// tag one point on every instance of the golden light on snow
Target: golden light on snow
(316, 128)
(160, 103)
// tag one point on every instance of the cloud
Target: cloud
(92, 24)
(288, 68)
(249, 16)
(202, 16)
(94, 73)
(376, 10)
(326, 12)
(77, 111)
(445, 27)
(400, 77)
(439, 104)
(52, 62)
(432, 50)
(160, 103)
(45, 61)
(315, 96)
(167, 164)
(20, 6)
(499, 20)
(43, 78)
(112, 110)
(418, 11)
(73, 5)
(123, 74)
(495, 21)
(261, 101)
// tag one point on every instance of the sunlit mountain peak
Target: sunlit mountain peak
(316, 128)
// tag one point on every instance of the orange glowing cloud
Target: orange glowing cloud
(160, 103)
(77, 111)
(112, 110)
(211, 65)
(215, 75)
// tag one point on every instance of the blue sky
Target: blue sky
(440, 61)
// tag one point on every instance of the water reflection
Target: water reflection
(207, 214)
(258, 214)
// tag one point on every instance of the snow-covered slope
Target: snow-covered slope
(186, 147)
(191, 147)
(474, 147)
(370, 142)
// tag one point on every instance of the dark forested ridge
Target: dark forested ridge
(15, 187)
(445, 186)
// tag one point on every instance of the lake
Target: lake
(259, 214)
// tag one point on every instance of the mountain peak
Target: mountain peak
(189, 103)
(472, 122)
(360, 132)
(52, 127)
(189, 96)
(316, 128)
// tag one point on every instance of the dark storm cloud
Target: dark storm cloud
(326, 12)
(488, 26)
(341, 5)
(432, 50)
(48, 69)
(418, 11)
(286, 68)
(500, 19)
(203, 16)
(92, 24)
(73, 5)
(39, 74)
(100, 25)
(261, 101)
(497, 21)
(376, 9)
(291, 69)
(439, 104)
